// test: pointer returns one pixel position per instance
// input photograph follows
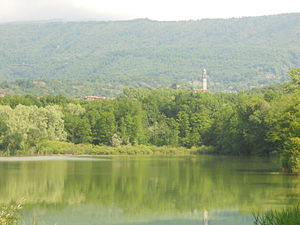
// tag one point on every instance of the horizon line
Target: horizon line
(140, 18)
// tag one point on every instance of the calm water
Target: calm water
(145, 190)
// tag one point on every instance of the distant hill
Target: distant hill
(101, 58)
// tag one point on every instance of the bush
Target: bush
(58, 147)
(55, 147)
(205, 150)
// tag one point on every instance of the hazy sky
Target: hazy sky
(16, 10)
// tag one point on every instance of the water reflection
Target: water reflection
(131, 189)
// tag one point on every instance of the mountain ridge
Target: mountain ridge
(104, 57)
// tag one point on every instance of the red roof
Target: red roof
(97, 97)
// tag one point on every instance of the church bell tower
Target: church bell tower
(204, 80)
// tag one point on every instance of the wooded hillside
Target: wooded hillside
(101, 58)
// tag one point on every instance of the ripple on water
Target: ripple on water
(50, 158)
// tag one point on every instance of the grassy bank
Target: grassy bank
(289, 216)
(10, 215)
(66, 148)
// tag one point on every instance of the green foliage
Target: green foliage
(259, 122)
(295, 75)
(78, 129)
(116, 140)
(9, 215)
(131, 121)
(56, 147)
(289, 216)
(25, 126)
(102, 58)
(164, 132)
(290, 157)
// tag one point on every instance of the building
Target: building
(98, 98)
(204, 82)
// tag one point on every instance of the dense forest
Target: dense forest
(260, 122)
(103, 58)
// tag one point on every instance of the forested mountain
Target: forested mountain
(101, 58)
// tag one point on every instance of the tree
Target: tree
(25, 126)
(131, 122)
(164, 132)
(104, 128)
(184, 128)
(295, 75)
(290, 157)
(78, 129)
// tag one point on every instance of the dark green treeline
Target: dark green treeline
(258, 122)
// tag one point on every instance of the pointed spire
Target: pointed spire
(204, 80)
(204, 74)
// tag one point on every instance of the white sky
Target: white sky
(16, 10)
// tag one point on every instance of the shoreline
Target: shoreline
(56, 148)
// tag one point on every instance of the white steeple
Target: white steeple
(204, 80)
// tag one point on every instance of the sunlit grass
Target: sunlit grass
(288, 216)
(9, 215)
(58, 147)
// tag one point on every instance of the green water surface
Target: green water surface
(145, 190)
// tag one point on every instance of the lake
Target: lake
(145, 190)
